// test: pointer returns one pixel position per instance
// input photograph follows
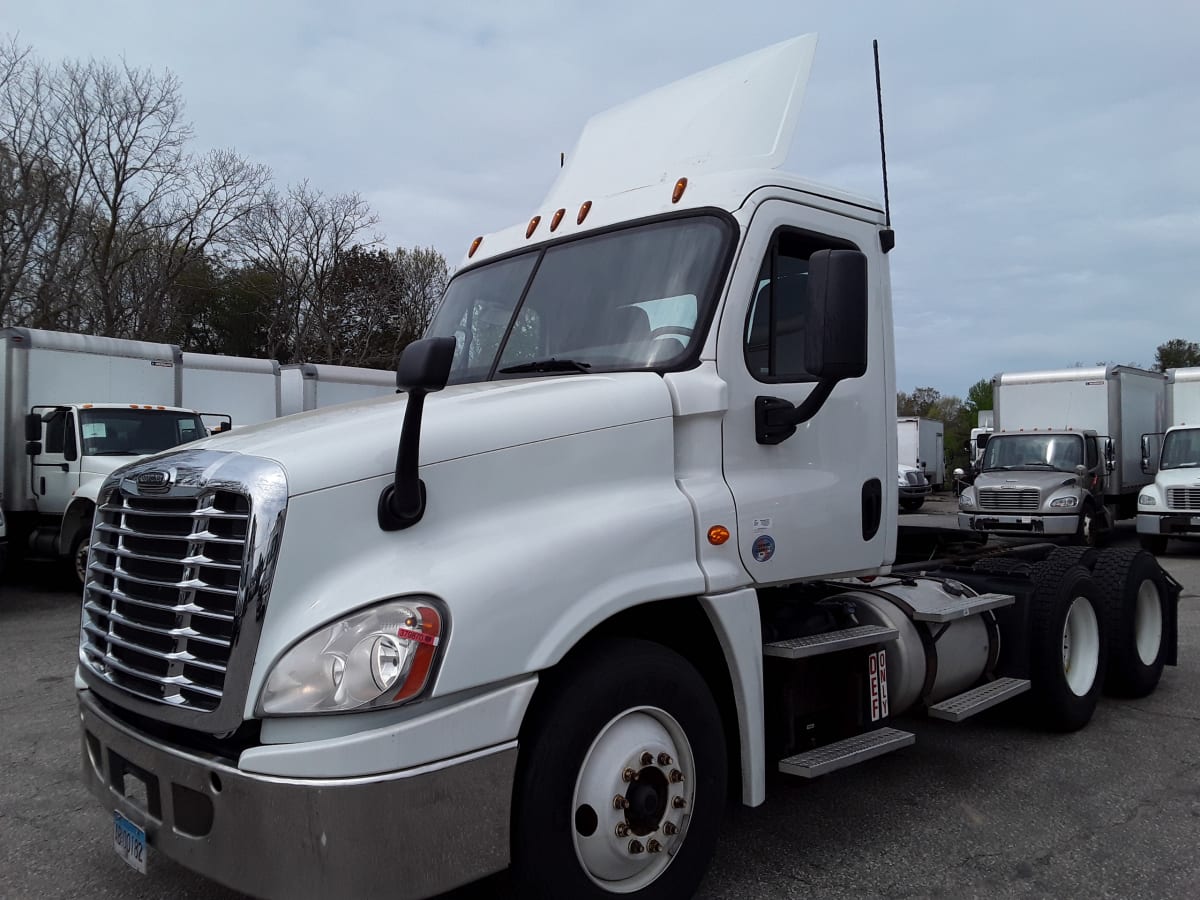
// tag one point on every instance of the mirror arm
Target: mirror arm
(402, 503)
(775, 420)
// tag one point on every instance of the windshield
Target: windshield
(1181, 449)
(1034, 451)
(637, 298)
(136, 432)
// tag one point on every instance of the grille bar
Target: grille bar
(179, 608)
(1183, 498)
(208, 512)
(192, 584)
(176, 681)
(207, 536)
(167, 633)
(166, 656)
(196, 560)
(1022, 499)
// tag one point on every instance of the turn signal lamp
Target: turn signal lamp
(557, 218)
(533, 224)
(680, 187)
(717, 535)
(474, 246)
(583, 211)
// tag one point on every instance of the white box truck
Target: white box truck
(921, 443)
(309, 386)
(1065, 458)
(246, 391)
(1170, 507)
(606, 558)
(75, 408)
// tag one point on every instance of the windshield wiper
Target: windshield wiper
(548, 365)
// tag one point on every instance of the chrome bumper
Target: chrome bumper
(407, 834)
(1004, 523)
(1172, 524)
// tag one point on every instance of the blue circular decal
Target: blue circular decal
(763, 548)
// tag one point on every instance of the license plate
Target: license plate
(130, 842)
(1025, 520)
(1196, 520)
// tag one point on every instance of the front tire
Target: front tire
(912, 505)
(1135, 599)
(78, 557)
(1090, 525)
(1067, 635)
(621, 781)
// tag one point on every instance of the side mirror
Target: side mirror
(1109, 465)
(33, 448)
(33, 427)
(982, 440)
(423, 367)
(1150, 452)
(835, 343)
(1081, 473)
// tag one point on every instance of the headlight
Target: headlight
(966, 501)
(1062, 502)
(1147, 500)
(377, 657)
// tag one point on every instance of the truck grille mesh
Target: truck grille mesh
(1183, 498)
(1022, 500)
(160, 606)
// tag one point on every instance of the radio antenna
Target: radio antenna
(887, 237)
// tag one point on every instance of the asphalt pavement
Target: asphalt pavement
(987, 809)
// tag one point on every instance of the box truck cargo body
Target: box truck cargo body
(920, 443)
(309, 386)
(247, 390)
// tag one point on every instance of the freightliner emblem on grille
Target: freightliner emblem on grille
(156, 481)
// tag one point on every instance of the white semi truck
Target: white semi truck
(74, 409)
(1064, 459)
(1170, 507)
(920, 443)
(623, 545)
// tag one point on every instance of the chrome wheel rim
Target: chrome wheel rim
(1148, 622)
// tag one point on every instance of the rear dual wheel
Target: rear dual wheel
(1136, 598)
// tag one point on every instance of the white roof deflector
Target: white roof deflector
(738, 115)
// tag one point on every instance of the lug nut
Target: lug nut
(664, 759)
(670, 828)
(676, 776)
(622, 830)
(635, 846)
(654, 846)
(678, 803)
(620, 802)
(647, 758)
(628, 775)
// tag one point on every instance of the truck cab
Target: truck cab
(1170, 507)
(72, 448)
(1041, 482)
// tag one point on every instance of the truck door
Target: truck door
(818, 502)
(56, 468)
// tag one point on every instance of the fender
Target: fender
(79, 512)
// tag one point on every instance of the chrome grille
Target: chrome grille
(1020, 500)
(160, 606)
(914, 478)
(1183, 498)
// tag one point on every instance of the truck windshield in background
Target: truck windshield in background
(1034, 451)
(638, 298)
(136, 432)
(1181, 449)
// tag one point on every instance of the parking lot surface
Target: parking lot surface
(988, 808)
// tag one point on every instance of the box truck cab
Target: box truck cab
(1170, 507)
(597, 562)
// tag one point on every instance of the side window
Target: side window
(1093, 453)
(56, 431)
(778, 320)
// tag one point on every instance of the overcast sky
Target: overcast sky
(1044, 157)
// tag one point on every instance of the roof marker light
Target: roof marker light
(533, 224)
(680, 187)
(557, 218)
(583, 211)
(474, 246)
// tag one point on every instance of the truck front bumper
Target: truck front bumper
(405, 834)
(1004, 523)
(1172, 524)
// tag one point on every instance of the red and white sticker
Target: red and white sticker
(877, 670)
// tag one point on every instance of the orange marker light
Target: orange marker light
(583, 211)
(557, 218)
(717, 535)
(533, 224)
(474, 246)
(680, 187)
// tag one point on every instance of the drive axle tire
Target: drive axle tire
(1153, 543)
(1135, 597)
(621, 779)
(1067, 641)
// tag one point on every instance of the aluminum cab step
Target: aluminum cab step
(831, 641)
(841, 754)
(962, 607)
(976, 700)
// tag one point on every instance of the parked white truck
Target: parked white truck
(1170, 507)
(1064, 459)
(246, 390)
(75, 408)
(309, 386)
(609, 552)
(920, 443)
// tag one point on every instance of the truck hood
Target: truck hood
(1044, 481)
(355, 441)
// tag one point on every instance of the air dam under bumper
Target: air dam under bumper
(406, 834)
(1010, 524)
(1170, 524)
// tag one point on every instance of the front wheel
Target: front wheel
(912, 505)
(78, 557)
(621, 781)
(1090, 525)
